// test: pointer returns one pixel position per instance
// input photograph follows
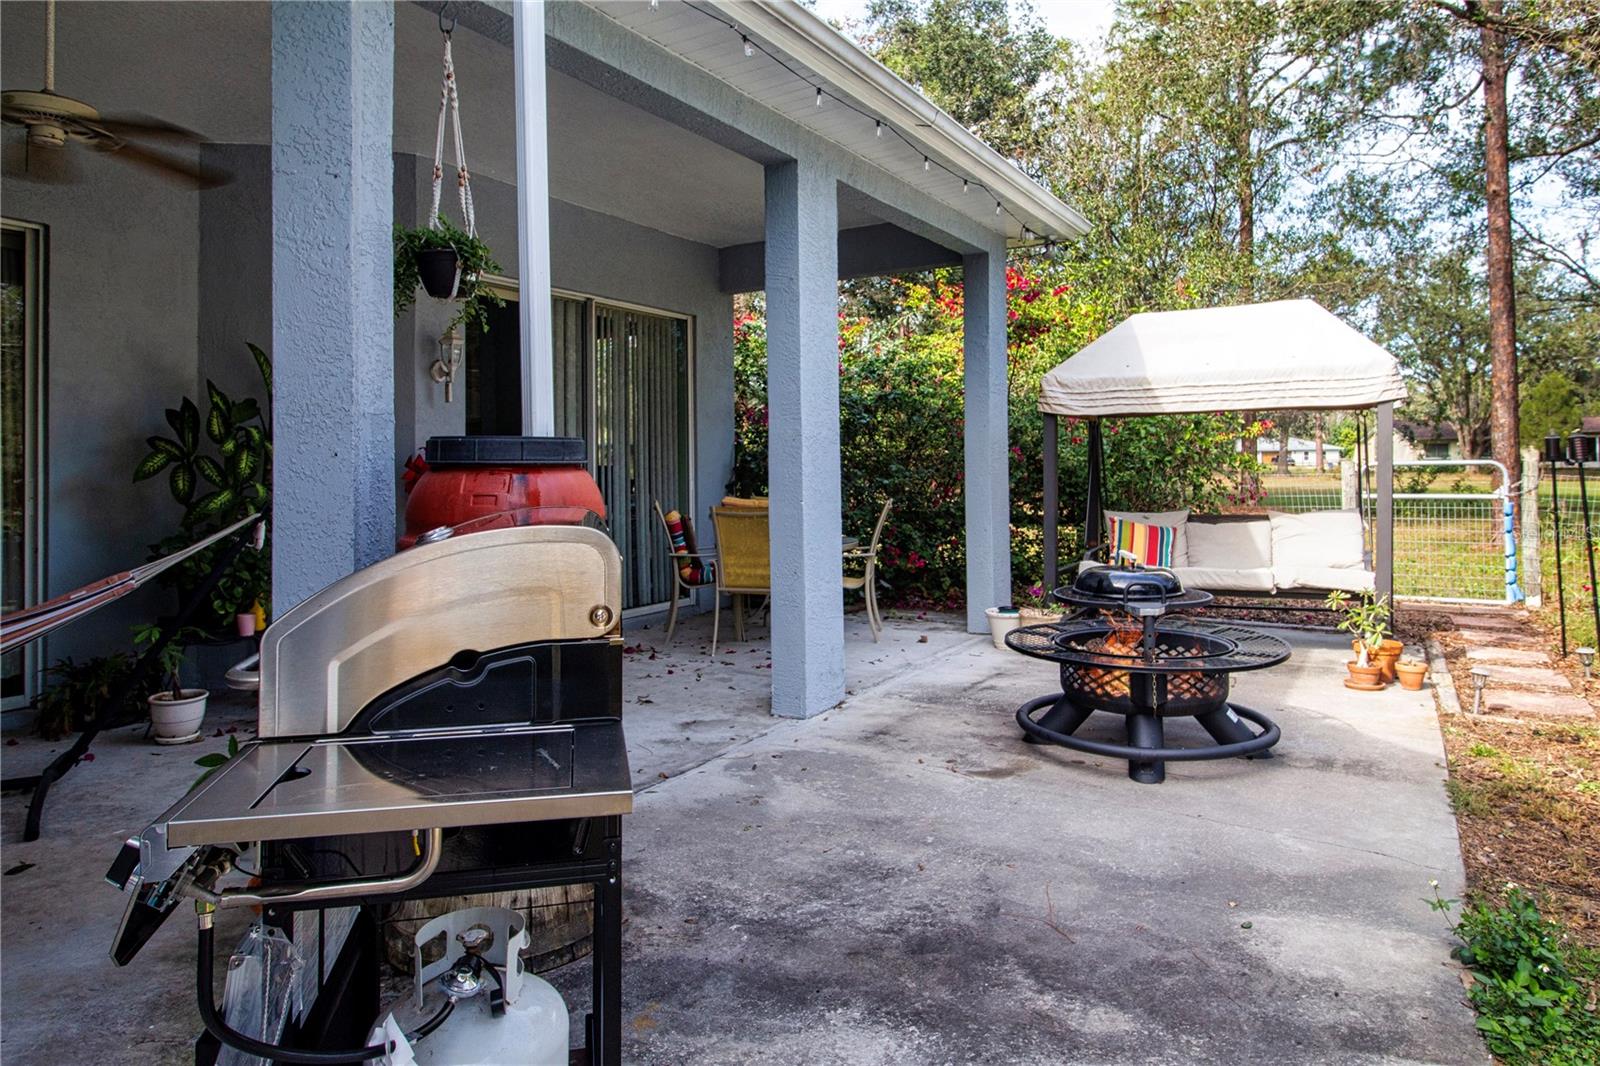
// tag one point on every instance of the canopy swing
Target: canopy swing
(1280, 356)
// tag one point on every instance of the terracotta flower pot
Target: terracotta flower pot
(1384, 657)
(1389, 654)
(1411, 672)
(1364, 678)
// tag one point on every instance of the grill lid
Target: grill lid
(1132, 582)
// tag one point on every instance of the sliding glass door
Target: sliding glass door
(21, 441)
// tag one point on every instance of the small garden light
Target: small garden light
(1480, 681)
(1586, 657)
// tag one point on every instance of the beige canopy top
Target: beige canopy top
(1279, 356)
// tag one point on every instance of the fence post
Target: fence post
(1348, 498)
(1532, 570)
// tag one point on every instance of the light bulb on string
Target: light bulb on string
(997, 208)
(819, 97)
(924, 164)
(877, 128)
(963, 184)
(749, 49)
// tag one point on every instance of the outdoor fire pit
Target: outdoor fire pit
(1122, 652)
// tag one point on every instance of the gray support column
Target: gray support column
(1383, 547)
(334, 480)
(803, 441)
(988, 482)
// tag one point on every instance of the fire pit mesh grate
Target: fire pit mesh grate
(1182, 645)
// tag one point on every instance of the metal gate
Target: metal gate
(1455, 545)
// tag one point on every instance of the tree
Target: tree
(972, 58)
(1553, 405)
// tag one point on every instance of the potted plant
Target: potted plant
(79, 695)
(175, 712)
(1037, 606)
(448, 263)
(1411, 672)
(1002, 620)
(1367, 619)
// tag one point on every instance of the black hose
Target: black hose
(239, 1042)
(432, 1023)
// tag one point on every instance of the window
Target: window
(21, 440)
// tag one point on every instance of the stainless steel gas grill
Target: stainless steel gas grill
(444, 722)
(1123, 653)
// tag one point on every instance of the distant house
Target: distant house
(1417, 441)
(1302, 452)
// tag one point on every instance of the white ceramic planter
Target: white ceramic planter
(178, 721)
(1001, 622)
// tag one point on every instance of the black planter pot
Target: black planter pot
(437, 269)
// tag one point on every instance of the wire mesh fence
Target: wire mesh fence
(1448, 525)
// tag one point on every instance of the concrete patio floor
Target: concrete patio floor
(900, 880)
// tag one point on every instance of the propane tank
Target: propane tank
(517, 1018)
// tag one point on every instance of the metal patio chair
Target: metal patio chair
(744, 565)
(866, 581)
(682, 560)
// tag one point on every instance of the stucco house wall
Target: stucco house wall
(153, 288)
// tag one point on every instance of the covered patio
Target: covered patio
(904, 880)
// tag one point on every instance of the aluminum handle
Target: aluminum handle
(432, 847)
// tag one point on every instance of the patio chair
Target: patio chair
(691, 569)
(744, 564)
(866, 581)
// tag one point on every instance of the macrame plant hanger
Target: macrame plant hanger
(450, 110)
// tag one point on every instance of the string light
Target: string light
(654, 4)
(750, 47)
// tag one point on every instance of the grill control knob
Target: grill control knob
(600, 616)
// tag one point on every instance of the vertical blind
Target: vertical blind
(626, 391)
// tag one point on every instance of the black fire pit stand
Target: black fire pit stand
(1178, 668)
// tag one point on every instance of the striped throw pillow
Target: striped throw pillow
(1150, 545)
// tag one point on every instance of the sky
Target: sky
(1084, 21)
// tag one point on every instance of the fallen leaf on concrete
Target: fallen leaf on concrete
(923, 639)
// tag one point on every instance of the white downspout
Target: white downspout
(533, 221)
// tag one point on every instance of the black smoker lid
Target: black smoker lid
(506, 451)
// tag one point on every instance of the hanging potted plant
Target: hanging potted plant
(175, 712)
(1366, 619)
(446, 261)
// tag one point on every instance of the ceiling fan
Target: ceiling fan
(54, 122)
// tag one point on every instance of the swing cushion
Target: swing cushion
(1319, 549)
(1150, 545)
(1176, 520)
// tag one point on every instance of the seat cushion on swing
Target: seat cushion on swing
(1174, 520)
(1226, 578)
(1230, 543)
(1343, 578)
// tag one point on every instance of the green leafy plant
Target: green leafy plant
(219, 469)
(1535, 988)
(78, 695)
(171, 656)
(474, 259)
(215, 761)
(1364, 618)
